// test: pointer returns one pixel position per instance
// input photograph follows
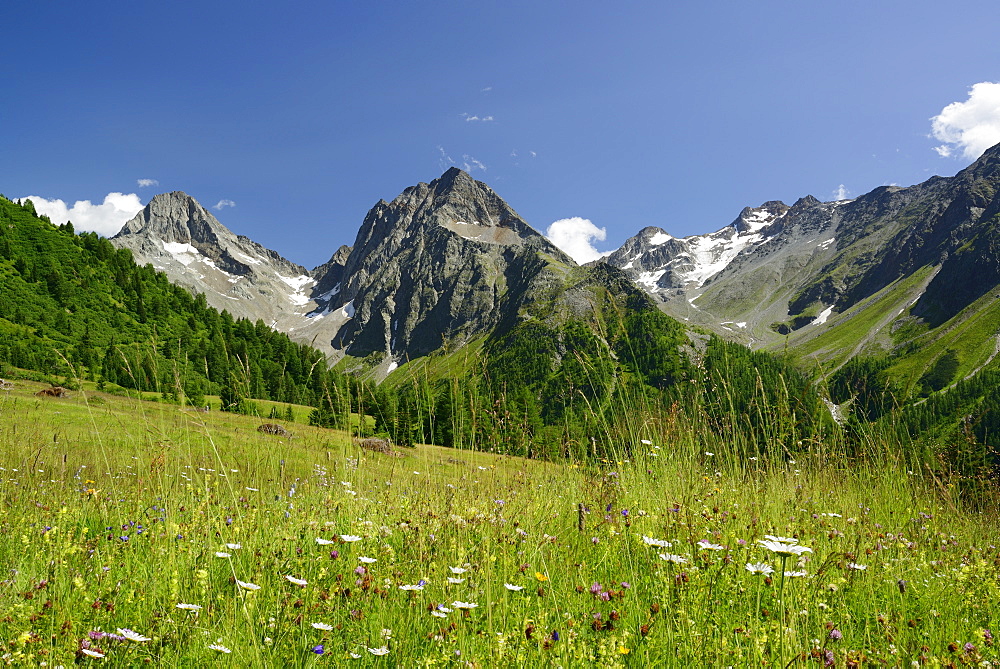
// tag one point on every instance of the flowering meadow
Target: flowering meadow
(136, 532)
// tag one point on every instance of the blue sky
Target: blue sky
(294, 119)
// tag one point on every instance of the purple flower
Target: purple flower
(626, 585)
(360, 571)
(318, 649)
(607, 509)
(421, 582)
(596, 588)
(555, 636)
(124, 537)
(625, 512)
(836, 635)
(828, 659)
(334, 555)
(969, 647)
(595, 540)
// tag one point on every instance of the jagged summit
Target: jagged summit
(177, 235)
(432, 265)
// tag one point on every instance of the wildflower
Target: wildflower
(296, 581)
(384, 650)
(541, 577)
(513, 588)
(857, 567)
(411, 587)
(709, 546)
(322, 626)
(234, 547)
(247, 586)
(784, 540)
(367, 560)
(676, 559)
(323, 542)
(464, 605)
(796, 574)
(457, 570)
(836, 635)
(219, 647)
(91, 652)
(132, 636)
(455, 581)
(351, 538)
(220, 554)
(760, 568)
(317, 649)
(189, 607)
(785, 548)
(444, 609)
(659, 543)
(555, 635)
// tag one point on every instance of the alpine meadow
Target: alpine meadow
(452, 444)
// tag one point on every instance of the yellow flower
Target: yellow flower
(623, 650)
(540, 576)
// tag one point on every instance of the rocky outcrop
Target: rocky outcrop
(440, 264)
(180, 237)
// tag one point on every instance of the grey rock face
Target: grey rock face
(805, 263)
(439, 264)
(178, 236)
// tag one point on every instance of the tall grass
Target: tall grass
(117, 510)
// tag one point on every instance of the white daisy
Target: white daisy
(457, 570)
(247, 586)
(296, 581)
(660, 543)
(367, 560)
(132, 636)
(759, 568)
(512, 587)
(219, 647)
(351, 538)
(323, 542)
(783, 548)
(464, 605)
(455, 581)
(189, 607)
(676, 559)
(322, 626)
(234, 547)
(220, 554)
(91, 652)
(384, 650)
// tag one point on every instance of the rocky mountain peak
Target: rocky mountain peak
(176, 218)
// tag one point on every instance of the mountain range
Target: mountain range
(448, 261)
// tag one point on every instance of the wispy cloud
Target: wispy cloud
(841, 193)
(105, 219)
(223, 204)
(145, 183)
(470, 163)
(486, 89)
(575, 236)
(968, 128)
(480, 119)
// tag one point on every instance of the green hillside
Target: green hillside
(74, 307)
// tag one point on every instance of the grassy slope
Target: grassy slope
(194, 482)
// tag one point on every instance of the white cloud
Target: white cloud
(487, 89)
(145, 183)
(467, 117)
(223, 204)
(575, 236)
(105, 219)
(969, 128)
(470, 163)
(841, 193)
